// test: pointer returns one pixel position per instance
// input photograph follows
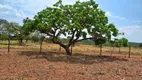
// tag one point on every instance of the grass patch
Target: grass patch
(98, 73)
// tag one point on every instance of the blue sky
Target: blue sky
(125, 14)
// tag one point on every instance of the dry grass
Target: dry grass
(96, 49)
(79, 48)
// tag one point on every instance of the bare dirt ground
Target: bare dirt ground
(32, 65)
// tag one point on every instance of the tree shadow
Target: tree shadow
(76, 58)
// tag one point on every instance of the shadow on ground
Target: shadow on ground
(76, 58)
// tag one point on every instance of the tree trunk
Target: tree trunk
(67, 51)
(66, 47)
(129, 51)
(71, 49)
(27, 39)
(20, 41)
(119, 50)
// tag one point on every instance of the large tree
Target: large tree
(80, 21)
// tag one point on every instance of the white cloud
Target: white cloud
(129, 30)
(35, 6)
(137, 21)
(109, 14)
(17, 10)
(132, 33)
(3, 7)
(10, 13)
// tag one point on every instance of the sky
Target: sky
(125, 14)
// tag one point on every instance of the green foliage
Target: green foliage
(108, 44)
(8, 28)
(77, 21)
(34, 38)
(101, 40)
(3, 37)
(125, 42)
(122, 42)
(28, 26)
(140, 45)
(98, 73)
(27, 29)
(88, 42)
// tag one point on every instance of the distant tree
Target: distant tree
(122, 42)
(35, 36)
(20, 35)
(140, 45)
(113, 43)
(99, 41)
(3, 37)
(125, 42)
(77, 21)
(26, 31)
(8, 28)
(3, 24)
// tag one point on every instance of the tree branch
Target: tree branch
(71, 40)
(82, 39)
(58, 42)
(49, 34)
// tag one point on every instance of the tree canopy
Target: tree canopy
(122, 42)
(80, 21)
(9, 28)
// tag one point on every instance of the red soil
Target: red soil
(30, 65)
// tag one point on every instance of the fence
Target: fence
(79, 48)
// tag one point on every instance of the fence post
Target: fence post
(41, 41)
(112, 51)
(9, 43)
(40, 46)
(100, 49)
(129, 51)
(59, 48)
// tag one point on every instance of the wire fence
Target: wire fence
(79, 48)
